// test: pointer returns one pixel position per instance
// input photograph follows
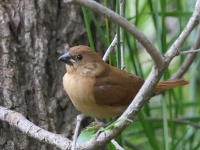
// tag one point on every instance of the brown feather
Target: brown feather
(166, 85)
(117, 85)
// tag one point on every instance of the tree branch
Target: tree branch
(79, 119)
(17, 120)
(110, 48)
(188, 52)
(122, 22)
(117, 146)
(121, 11)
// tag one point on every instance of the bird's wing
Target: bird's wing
(116, 88)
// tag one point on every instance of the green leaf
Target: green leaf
(88, 133)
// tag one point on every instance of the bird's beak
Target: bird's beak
(66, 58)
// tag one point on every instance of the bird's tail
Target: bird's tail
(165, 85)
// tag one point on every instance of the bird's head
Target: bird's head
(83, 60)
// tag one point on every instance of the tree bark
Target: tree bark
(32, 34)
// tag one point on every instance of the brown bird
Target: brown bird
(98, 89)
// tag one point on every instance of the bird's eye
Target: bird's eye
(79, 57)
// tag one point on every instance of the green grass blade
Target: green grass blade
(88, 29)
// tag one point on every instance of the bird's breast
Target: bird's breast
(80, 90)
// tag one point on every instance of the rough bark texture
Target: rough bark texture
(31, 35)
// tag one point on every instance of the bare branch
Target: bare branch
(79, 119)
(110, 48)
(121, 11)
(126, 25)
(188, 52)
(20, 122)
(117, 146)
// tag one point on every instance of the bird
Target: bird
(98, 89)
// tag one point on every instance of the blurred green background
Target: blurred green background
(171, 120)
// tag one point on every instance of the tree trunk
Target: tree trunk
(32, 32)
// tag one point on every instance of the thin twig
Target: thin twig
(121, 12)
(110, 48)
(79, 119)
(117, 146)
(188, 52)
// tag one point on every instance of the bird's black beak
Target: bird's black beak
(66, 58)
